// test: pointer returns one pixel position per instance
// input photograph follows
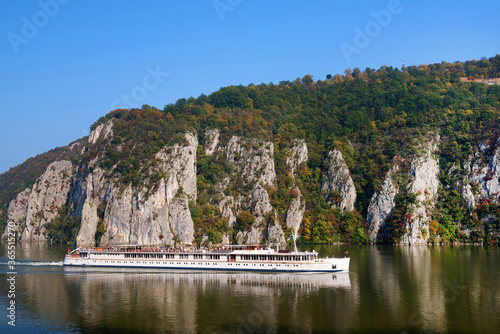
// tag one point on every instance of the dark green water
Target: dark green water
(390, 289)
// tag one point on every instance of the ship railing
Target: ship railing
(139, 249)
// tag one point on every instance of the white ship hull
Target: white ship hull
(330, 265)
(236, 260)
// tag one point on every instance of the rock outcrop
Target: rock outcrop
(101, 132)
(180, 220)
(88, 191)
(297, 207)
(253, 163)
(179, 164)
(140, 216)
(298, 155)
(35, 207)
(228, 207)
(211, 140)
(338, 187)
(275, 233)
(468, 195)
(159, 213)
(424, 185)
(17, 211)
(117, 218)
(382, 203)
(485, 175)
(295, 213)
(253, 159)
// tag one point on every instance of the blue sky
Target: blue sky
(65, 63)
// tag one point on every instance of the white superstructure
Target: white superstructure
(241, 257)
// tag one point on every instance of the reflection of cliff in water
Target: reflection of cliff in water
(182, 301)
(426, 278)
(389, 289)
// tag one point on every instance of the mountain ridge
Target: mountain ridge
(360, 125)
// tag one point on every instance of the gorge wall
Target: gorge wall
(110, 213)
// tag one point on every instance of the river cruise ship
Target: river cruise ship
(235, 257)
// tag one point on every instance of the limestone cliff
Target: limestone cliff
(298, 155)
(211, 140)
(158, 213)
(253, 159)
(424, 185)
(253, 163)
(101, 132)
(35, 207)
(295, 213)
(297, 207)
(338, 186)
(140, 215)
(17, 210)
(275, 233)
(477, 182)
(484, 173)
(382, 203)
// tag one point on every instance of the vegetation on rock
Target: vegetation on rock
(370, 116)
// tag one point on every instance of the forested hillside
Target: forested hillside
(379, 120)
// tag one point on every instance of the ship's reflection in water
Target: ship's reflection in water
(202, 301)
(445, 289)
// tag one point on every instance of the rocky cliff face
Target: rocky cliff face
(17, 210)
(140, 216)
(420, 184)
(338, 187)
(297, 208)
(88, 191)
(382, 203)
(43, 202)
(211, 140)
(424, 185)
(295, 213)
(253, 159)
(483, 171)
(298, 155)
(101, 132)
(159, 214)
(253, 163)
(35, 207)
(275, 233)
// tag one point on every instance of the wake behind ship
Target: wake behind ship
(237, 257)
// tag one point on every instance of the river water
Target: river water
(390, 289)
